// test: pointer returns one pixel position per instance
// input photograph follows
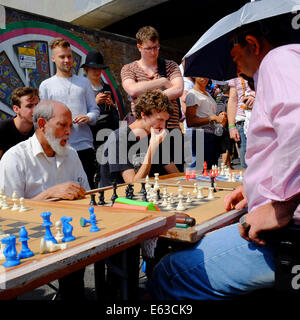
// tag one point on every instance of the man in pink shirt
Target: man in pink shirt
(235, 260)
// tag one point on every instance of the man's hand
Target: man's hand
(249, 100)
(81, 119)
(271, 216)
(234, 134)
(66, 190)
(104, 98)
(236, 199)
(157, 137)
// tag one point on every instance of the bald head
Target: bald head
(47, 109)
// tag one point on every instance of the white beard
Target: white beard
(55, 143)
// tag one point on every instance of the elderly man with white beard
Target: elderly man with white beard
(44, 166)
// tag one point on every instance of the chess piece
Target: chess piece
(241, 176)
(114, 196)
(147, 185)
(59, 234)
(10, 251)
(22, 205)
(1, 196)
(5, 205)
(93, 201)
(188, 197)
(200, 193)
(25, 251)
(14, 199)
(67, 229)
(169, 205)
(2, 245)
(195, 187)
(47, 224)
(233, 178)
(101, 201)
(211, 193)
(49, 246)
(205, 173)
(180, 206)
(165, 200)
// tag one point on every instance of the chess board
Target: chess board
(118, 230)
(208, 213)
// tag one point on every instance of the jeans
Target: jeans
(222, 265)
(242, 143)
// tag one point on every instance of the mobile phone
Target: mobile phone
(107, 92)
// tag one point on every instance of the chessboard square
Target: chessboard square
(1, 219)
(17, 224)
(12, 231)
(36, 235)
(37, 228)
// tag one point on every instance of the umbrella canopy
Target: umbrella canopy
(210, 56)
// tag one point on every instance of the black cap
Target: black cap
(94, 59)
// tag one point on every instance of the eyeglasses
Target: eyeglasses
(151, 48)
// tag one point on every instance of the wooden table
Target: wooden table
(118, 232)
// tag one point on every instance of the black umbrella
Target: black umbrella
(210, 56)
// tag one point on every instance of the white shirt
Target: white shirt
(206, 106)
(77, 94)
(26, 169)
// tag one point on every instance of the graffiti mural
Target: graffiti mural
(9, 79)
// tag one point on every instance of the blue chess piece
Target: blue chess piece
(10, 251)
(25, 251)
(67, 229)
(93, 221)
(47, 224)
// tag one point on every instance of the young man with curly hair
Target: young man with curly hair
(133, 152)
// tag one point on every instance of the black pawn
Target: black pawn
(93, 201)
(101, 198)
(114, 196)
(158, 197)
(143, 188)
(212, 183)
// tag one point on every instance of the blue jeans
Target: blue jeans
(242, 144)
(222, 265)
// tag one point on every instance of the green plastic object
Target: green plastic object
(150, 205)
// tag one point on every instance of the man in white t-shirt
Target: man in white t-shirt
(76, 92)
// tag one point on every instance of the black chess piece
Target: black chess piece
(114, 196)
(145, 196)
(101, 201)
(158, 197)
(127, 192)
(143, 188)
(212, 183)
(93, 201)
(131, 191)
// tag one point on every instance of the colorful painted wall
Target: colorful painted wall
(33, 31)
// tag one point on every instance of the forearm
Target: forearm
(137, 88)
(197, 122)
(231, 111)
(173, 92)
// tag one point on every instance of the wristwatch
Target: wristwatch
(243, 222)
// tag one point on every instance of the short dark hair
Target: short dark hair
(152, 101)
(18, 93)
(277, 31)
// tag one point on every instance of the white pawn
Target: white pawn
(195, 187)
(5, 205)
(200, 193)
(147, 185)
(171, 198)
(14, 198)
(22, 205)
(169, 205)
(180, 206)
(188, 198)
(179, 191)
(211, 193)
(59, 235)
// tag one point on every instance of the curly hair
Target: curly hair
(146, 33)
(152, 101)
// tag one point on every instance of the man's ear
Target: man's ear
(253, 44)
(41, 123)
(52, 58)
(16, 108)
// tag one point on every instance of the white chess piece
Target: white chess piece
(233, 179)
(211, 193)
(22, 205)
(49, 246)
(180, 206)
(171, 198)
(59, 235)
(1, 197)
(241, 176)
(169, 205)
(147, 185)
(188, 197)
(195, 187)
(5, 205)
(14, 198)
(200, 193)
(179, 191)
